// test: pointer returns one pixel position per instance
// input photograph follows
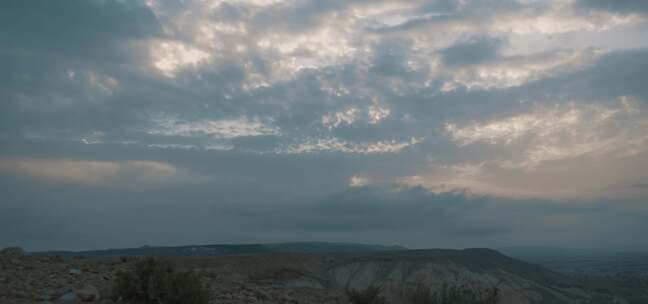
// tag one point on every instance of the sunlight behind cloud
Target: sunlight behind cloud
(563, 132)
(170, 56)
(358, 181)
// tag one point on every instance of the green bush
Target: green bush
(371, 295)
(155, 281)
(454, 295)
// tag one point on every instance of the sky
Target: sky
(427, 124)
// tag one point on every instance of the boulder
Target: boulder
(74, 271)
(69, 297)
(88, 293)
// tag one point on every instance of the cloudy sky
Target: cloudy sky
(449, 123)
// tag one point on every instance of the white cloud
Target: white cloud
(511, 71)
(347, 117)
(543, 122)
(223, 129)
(358, 181)
(282, 59)
(105, 83)
(467, 177)
(573, 150)
(561, 17)
(92, 138)
(563, 132)
(170, 56)
(372, 115)
(128, 174)
(377, 114)
(336, 145)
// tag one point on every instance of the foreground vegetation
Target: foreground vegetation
(156, 281)
(371, 295)
(424, 295)
(454, 295)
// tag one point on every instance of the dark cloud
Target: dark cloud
(379, 209)
(620, 6)
(472, 51)
(55, 55)
(49, 218)
(74, 27)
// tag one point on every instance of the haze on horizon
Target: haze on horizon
(426, 124)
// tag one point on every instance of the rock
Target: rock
(60, 292)
(50, 295)
(88, 293)
(69, 296)
(74, 271)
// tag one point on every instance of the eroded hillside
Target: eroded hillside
(299, 277)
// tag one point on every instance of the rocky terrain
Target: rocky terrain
(299, 277)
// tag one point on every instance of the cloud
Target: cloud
(621, 6)
(559, 151)
(171, 56)
(76, 25)
(225, 128)
(444, 217)
(510, 71)
(564, 132)
(358, 181)
(374, 114)
(471, 51)
(123, 174)
(413, 216)
(254, 106)
(345, 117)
(336, 145)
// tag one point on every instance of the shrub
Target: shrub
(454, 295)
(155, 281)
(371, 295)
(422, 295)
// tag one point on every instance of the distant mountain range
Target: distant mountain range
(544, 251)
(582, 261)
(225, 249)
(564, 260)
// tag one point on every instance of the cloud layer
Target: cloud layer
(261, 104)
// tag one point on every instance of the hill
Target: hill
(224, 249)
(295, 277)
